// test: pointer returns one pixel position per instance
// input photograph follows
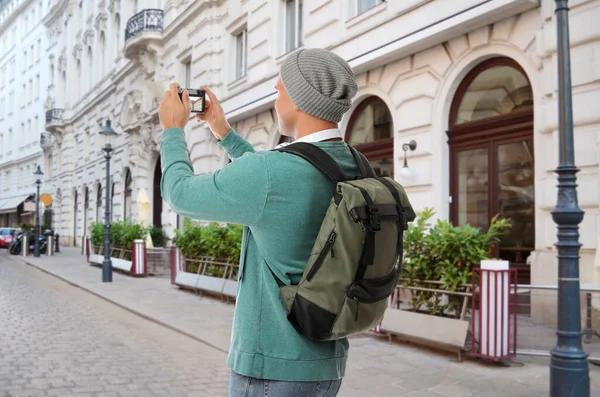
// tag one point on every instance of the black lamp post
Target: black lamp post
(109, 134)
(569, 371)
(36, 250)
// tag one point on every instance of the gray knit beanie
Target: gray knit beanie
(319, 83)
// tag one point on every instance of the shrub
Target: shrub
(159, 237)
(445, 253)
(122, 234)
(213, 240)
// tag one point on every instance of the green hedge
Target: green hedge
(447, 253)
(122, 234)
(223, 243)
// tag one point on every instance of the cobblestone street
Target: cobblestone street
(63, 341)
(58, 340)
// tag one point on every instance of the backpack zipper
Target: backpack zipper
(328, 248)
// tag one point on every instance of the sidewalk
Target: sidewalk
(376, 368)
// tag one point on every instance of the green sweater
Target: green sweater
(281, 199)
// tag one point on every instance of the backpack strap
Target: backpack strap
(402, 223)
(317, 157)
(365, 167)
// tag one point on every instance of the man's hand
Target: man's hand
(214, 116)
(173, 112)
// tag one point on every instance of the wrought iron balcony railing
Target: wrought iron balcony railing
(54, 115)
(151, 20)
(45, 140)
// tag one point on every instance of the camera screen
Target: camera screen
(196, 103)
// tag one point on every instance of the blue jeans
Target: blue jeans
(244, 386)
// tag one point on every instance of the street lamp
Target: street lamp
(569, 371)
(109, 134)
(36, 250)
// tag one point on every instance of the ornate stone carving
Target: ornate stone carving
(77, 50)
(131, 110)
(62, 63)
(88, 37)
(100, 23)
(114, 6)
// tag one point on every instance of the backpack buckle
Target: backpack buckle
(374, 220)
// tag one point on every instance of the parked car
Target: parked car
(6, 236)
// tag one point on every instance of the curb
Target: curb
(114, 302)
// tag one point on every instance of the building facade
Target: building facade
(473, 83)
(22, 94)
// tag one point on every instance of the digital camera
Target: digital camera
(197, 99)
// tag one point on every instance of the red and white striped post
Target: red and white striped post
(139, 264)
(494, 319)
(175, 263)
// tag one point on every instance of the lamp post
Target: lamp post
(36, 250)
(569, 371)
(109, 134)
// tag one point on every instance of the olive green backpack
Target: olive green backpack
(356, 260)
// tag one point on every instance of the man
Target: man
(282, 199)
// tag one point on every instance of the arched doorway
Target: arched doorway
(492, 156)
(127, 195)
(371, 131)
(99, 204)
(75, 218)
(157, 201)
(86, 206)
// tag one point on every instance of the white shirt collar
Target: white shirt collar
(318, 136)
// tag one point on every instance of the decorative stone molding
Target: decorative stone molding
(77, 50)
(114, 6)
(131, 110)
(100, 23)
(88, 37)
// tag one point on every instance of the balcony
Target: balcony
(54, 116)
(46, 141)
(142, 29)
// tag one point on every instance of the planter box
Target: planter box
(225, 287)
(137, 266)
(117, 263)
(424, 328)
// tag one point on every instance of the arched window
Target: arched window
(99, 204)
(102, 54)
(371, 131)
(74, 217)
(117, 26)
(492, 157)
(127, 193)
(86, 206)
(79, 79)
(90, 70)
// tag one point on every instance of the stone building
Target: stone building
(22, 94)
(473, 83)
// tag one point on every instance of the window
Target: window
(35, 128)
(360, 6)
(117, 26)
(90, 68)
(102, 49)
(187, 65)
(2, 147)
(25, 59)
(128, 191)
(9, 143)
(22, 136)
(30, 92)
(39, 49)
(492, 157)
(30, 131)
(37, 86)
(241, 53)
(370, 130)
(293, 24)
(31, 55)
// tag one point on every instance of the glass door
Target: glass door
(471, 193)
(515, 198)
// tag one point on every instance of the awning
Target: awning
(10, 205)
